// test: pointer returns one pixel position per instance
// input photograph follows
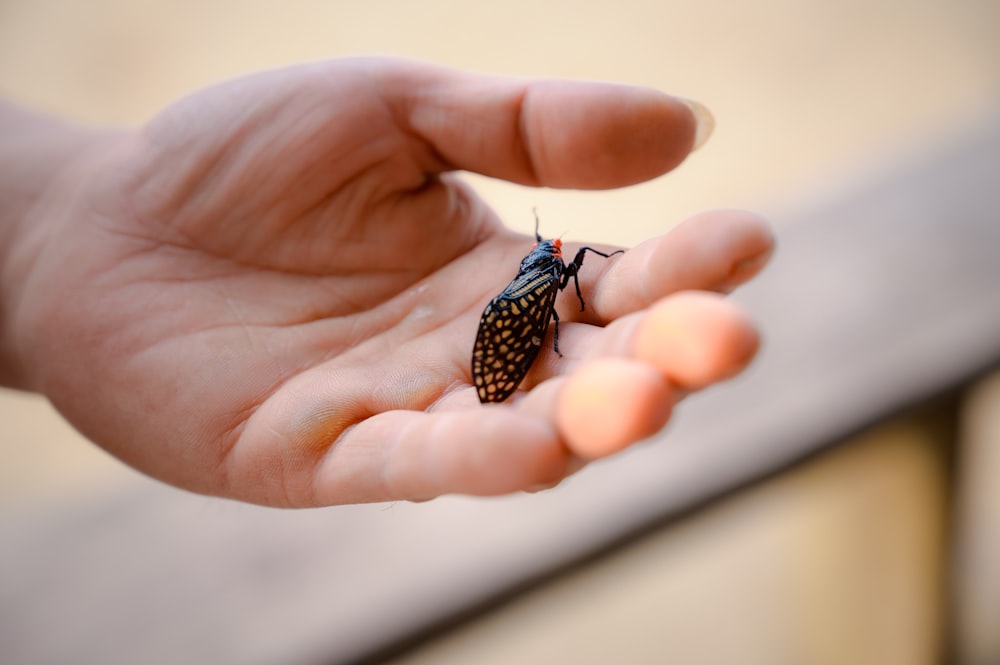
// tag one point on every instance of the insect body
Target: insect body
(514, 323)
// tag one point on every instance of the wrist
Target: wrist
(36, 151)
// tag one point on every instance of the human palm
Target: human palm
(271, 290)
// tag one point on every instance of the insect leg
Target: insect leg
(555, 335)
(573, 267)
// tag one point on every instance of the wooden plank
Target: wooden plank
(873, 303)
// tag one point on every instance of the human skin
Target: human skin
(270, 290)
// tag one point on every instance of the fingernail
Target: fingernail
(705, 123)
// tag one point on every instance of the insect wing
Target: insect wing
(511, 332)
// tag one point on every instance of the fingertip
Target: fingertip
(696, 338)
(722, 249)
(745, 238)
(609, 404)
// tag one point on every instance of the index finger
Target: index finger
(712, 251)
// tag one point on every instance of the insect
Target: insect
(514, 323)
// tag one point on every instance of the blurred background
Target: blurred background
(811, 98)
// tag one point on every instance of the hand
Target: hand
(270, 291)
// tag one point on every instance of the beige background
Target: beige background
(809, 97)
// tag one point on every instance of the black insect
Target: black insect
(513, 325)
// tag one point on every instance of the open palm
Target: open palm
(271, 290)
